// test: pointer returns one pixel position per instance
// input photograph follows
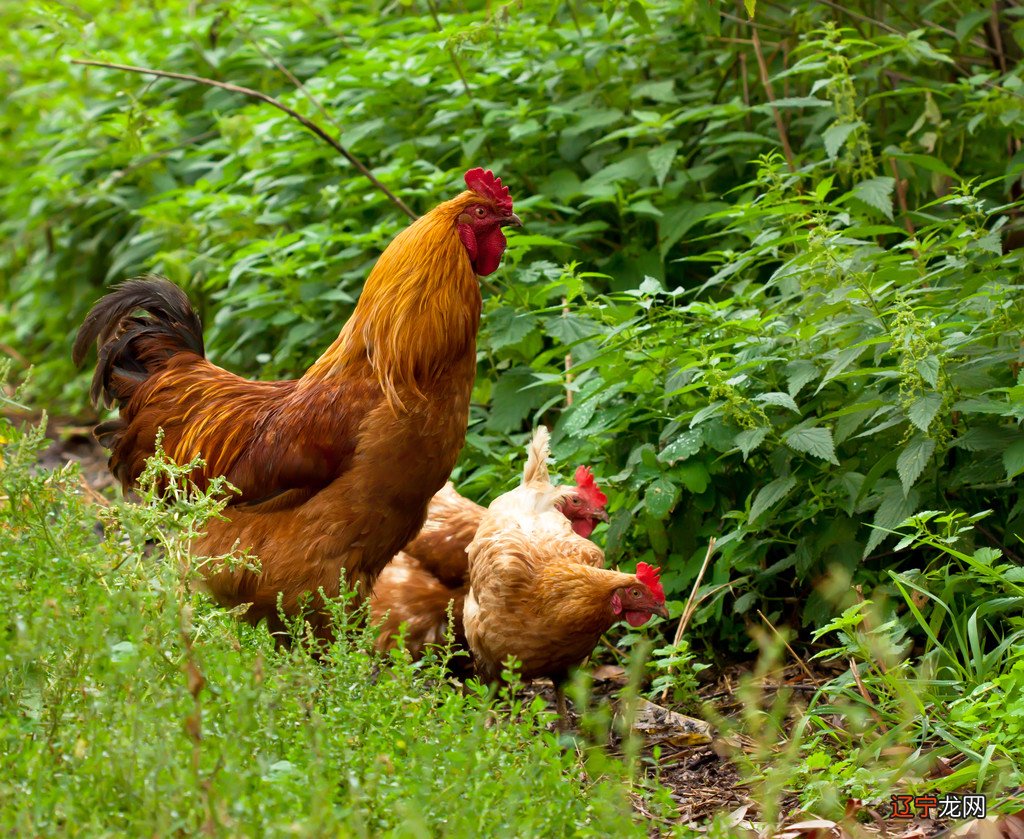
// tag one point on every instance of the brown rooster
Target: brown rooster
(416, 587)
(537, 593)
(335, 470)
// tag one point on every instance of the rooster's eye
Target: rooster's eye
(481, 212)
(635, 593)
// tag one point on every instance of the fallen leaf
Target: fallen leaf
(660, 726)
(610, 673)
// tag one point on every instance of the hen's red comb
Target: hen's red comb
(588, 488)
(484, 184)
(648, 575)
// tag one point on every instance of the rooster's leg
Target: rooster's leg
(563, 714)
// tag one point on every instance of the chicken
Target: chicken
(335, 469)
(432, 571)
(537, 591)
(409, 599)
(440, 546)
(452, 519)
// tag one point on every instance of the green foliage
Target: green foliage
(130, 705)
(786, 307)
(933, 678)
(784, 304)
(781, 308)
(676, 671)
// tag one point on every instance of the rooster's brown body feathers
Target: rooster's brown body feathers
(335, 469)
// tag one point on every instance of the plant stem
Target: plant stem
(270, 100)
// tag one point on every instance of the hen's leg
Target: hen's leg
(563, 714)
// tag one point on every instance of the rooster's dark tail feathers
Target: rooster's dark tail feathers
(131, 347)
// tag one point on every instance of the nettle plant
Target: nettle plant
(834, 375)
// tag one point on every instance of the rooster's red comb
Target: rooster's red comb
(587, 487)
(484, 184)
(648, 575)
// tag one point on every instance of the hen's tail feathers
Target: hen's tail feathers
(131, 347)
(537, 454)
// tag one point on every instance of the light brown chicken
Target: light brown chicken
(416, 587)
(537, 591)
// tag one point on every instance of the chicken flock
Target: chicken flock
(341, 474)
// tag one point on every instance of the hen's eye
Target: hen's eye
(481, 212)
(635, 593)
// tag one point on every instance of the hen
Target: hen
(432, 571)
(537, 593)
(335, 469)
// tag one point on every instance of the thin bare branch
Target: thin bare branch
(780, 124)
(307, 123)
(691, 602)
(792, 652)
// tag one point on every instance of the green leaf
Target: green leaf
(593, 118)
(813, 441)
(618, 527)
(894, 509)
(693, 475)
(769, 495)
(912, 460)
(639, 14)
(798, 374)
(836, 134)
(678, 220)
(782, 400)
(969, 22)
(751, 7)
(1013, 459)
(877, 193)
(661, 159)
(843, 359)
(506, 326)
(661, 496)
(513, 398)
(923, 410)
(750, 439)
(685, 445)
(928, 367)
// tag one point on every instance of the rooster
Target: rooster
(417, 586)
(334, 470)
(537, 591)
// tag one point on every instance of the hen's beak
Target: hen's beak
(661, 611)
(512, 221)
(600, 515)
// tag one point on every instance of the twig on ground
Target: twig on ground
(94, 496)
(901, 198)
(691, 603)
(867, 696)
(7, 349)
(792, 652)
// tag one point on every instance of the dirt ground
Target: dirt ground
(693, 760)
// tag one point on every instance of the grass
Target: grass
(130, 706)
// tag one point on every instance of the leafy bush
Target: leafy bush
(129, 705)
(782, 294)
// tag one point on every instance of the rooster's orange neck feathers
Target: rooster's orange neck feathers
(419, 312)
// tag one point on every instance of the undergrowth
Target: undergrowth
(131, 705)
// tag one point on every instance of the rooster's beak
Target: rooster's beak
(601, 515)
(512, 221)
